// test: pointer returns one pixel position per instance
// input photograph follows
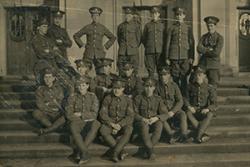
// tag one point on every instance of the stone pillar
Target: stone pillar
(3, 42)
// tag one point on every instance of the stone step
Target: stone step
(17, 87)
(234, 82)
(17, 95)
(230, 109)
(29, 124)
(19, 137)
(182, 160)
(34, 150)
(233, 100)
(17, 104)
(233, 91)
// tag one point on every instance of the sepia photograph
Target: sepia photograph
(125, 83)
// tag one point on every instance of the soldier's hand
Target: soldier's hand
(114, 131)
(146, 121)
(59, 41)
(190, 61)
(205, 111)
(78, 114)
(153, 120)
(46, 50)
(171, 114)
(55, 48)
(192, 109)
(168, 62)
(55, 109)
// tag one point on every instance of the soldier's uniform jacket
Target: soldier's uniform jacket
(87, 105)
(147, 107)
(129, 38)
(201, 96)
(43, 46)
(48, 99)
(133, 85)
(56, 32)
(152, 37)
(210, 59)
(94, 47)
(171, 95)
(180, 42)
(117, 110)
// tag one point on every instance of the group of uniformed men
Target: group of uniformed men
(124, 105)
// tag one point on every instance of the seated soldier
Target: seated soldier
(81, 112)
(103, 77)
(49, 98)
(133, 85)
(171, 95)
(200, 105)
(117, 115)
(150, 113)
(84, 66)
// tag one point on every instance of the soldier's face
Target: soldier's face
(58, 21)
(82, 70)
(155, 15)
(128, 17)
(83, 88)
(129, 72)
(49, 79)
(118, 91)
(149, 90)
(166, 78)
(211, 28)
(180, 16)
(43, 29)
(107, 69)
(95, 18)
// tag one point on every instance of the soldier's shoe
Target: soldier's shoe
(75, 157)
(123, 155)
(203, 139)
(115, 158)
(84, 158)
(152, 156)
(42, 132)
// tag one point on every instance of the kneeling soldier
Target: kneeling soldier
(171, 95)
(117, 116)
(81, 112)
(200, 103)
(133, 85)
(150, 113)
(49, 98)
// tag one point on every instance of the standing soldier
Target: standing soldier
(152, 40)
(200, 105)
(129, 39)
(172, 97)
(151, 112)
(49, 98)
(94, 48)
(133, 85)
(180, 49)
(103, 78)
(209, 47)
(117, 115)
(81, 112)
(59, 34)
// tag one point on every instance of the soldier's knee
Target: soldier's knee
(96, 124)
(210, 115)
(104, 130)
(183, 115)
(37, 114)
(128, 130)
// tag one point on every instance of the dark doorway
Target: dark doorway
(21, 26)
(244, 39)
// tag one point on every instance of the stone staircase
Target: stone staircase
(21, 147)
